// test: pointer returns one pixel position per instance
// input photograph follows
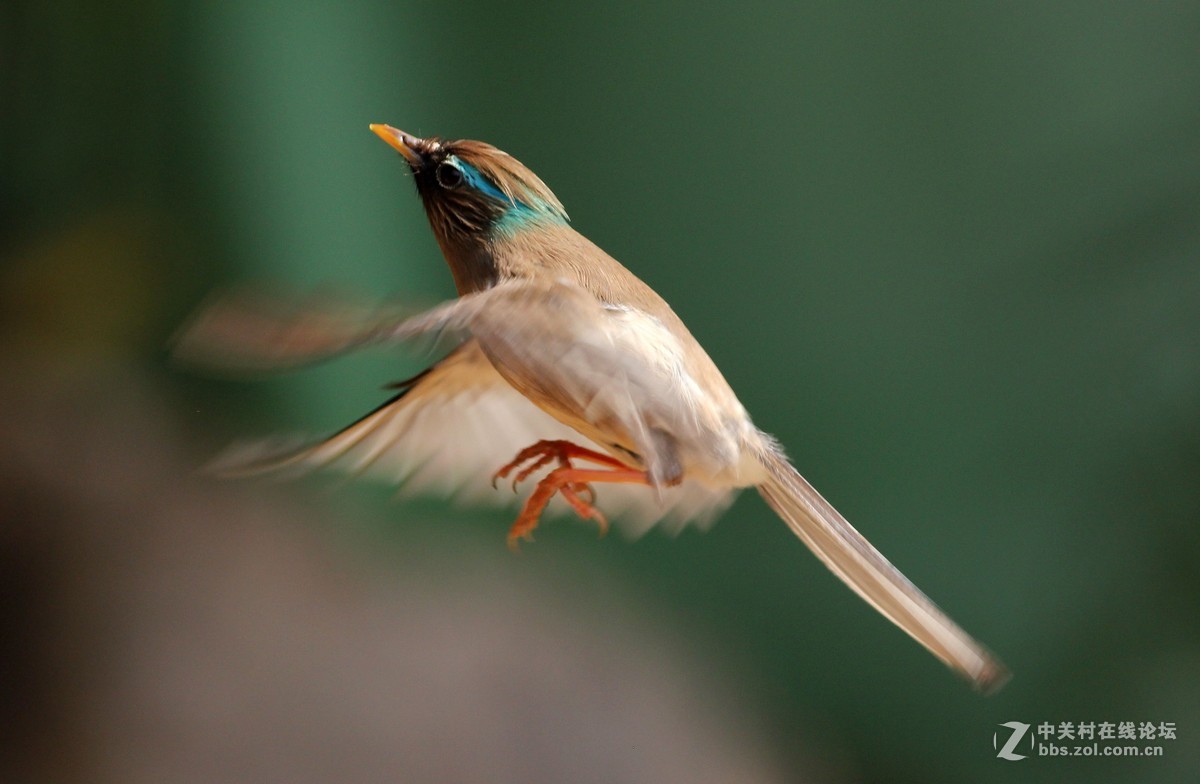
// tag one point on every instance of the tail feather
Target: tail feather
(852, 558)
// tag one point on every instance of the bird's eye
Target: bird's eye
(449, 176)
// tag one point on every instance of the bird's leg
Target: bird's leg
(567, 480)
(541, 454)
(544, 452)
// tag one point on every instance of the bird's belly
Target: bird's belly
(621, 377)
(672, 435)
(605, 431)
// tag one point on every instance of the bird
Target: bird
(564, 364)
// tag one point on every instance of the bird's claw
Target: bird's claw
(559, 480)
(538, 457)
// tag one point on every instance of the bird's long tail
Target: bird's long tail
(851, 557)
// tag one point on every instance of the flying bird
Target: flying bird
(569, 367)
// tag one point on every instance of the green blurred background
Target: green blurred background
(948, 253)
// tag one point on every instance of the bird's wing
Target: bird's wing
(616, 374)
(448, 430)
(852, 558)
(249, 331)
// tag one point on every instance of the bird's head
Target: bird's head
(473, 193)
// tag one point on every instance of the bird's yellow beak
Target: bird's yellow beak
(403, 143)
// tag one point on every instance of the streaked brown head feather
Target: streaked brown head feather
(512, 177)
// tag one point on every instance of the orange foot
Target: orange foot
(565, 479)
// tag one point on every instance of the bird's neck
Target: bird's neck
(477, 262)
(472, 264)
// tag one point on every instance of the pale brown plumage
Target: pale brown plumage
(560, 341)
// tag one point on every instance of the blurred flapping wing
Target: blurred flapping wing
(447, 431)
